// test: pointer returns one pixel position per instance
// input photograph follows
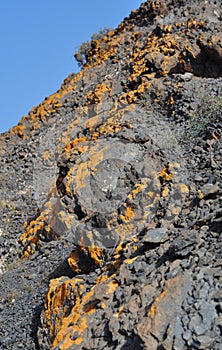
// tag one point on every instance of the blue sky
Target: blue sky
(38, 39)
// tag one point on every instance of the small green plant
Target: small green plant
(100, 34)
(3, 180)
(8, 204)
(12, 264)
(82, 54)
(209, 111)
(27, 288)
(10, 267)
(12, 296)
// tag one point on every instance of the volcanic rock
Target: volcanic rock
(111, 194)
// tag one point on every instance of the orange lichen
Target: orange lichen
(74, 142)
(160, 55)
(73, 261)
(117, 315)
(41, 228)
(163, 52)
(130, 261)
(137, 189)
(30, 236)
(165, 192)
(192, 24)
(47, 155)
(153, 308)
(150, 195)
(112, 286)
(110, 127)
(19, 130)
(128, 216)
(51, 105)
(78, 318)
(165, 175)
(96, 254)
(184, 188)
(176, 211)
(85, 305)
(215, 137)
(77, 257)
(201, 195)
(96, 96)
(170, 100)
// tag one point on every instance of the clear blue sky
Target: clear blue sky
(38, 39)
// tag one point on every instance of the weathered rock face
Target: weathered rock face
(117, 177)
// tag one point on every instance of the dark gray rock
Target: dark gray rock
(209, 189)
(154, 236)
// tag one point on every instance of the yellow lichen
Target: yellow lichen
(165, 174)
(201, 195)
(165, 192)
(137, 189)
(128, 216)
(153, 308)
(184, 188)
(19, 130)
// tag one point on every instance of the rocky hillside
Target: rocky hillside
(110, 196)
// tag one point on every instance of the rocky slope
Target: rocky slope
(111, 194)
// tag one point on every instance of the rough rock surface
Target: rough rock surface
(111, 194)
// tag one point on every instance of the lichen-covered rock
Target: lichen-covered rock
(122, 197)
